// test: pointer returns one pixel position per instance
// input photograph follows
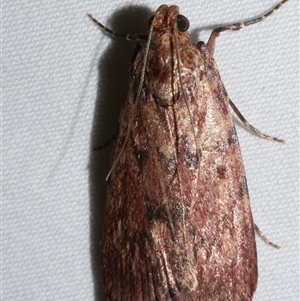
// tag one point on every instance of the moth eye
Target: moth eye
(150, 21)
(183, 23)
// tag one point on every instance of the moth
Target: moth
(178, 223)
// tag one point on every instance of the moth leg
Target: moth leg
(251, 127)
(132, 37)
(108, 142)
(237, 26)
(264, 238)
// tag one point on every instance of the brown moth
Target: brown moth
(178, 223)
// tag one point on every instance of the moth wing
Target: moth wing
(178, 222)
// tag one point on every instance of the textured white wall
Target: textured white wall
(63, 83)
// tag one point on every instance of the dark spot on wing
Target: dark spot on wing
(154, 211)
(244, 187)
(141, 158)
(221, 170)
(232, 136)
(191, 158)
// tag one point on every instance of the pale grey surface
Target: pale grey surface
(56, 105)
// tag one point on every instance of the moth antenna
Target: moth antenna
(237, 26)
(198, 148)
(136, 100)
(132, 37)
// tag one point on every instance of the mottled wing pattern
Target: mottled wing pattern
(178, 223)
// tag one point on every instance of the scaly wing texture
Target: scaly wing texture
(178, 223)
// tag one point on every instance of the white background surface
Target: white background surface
(63, 82)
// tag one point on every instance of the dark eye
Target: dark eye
(183, 23)
(150, 21)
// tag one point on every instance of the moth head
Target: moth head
(169, 17)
